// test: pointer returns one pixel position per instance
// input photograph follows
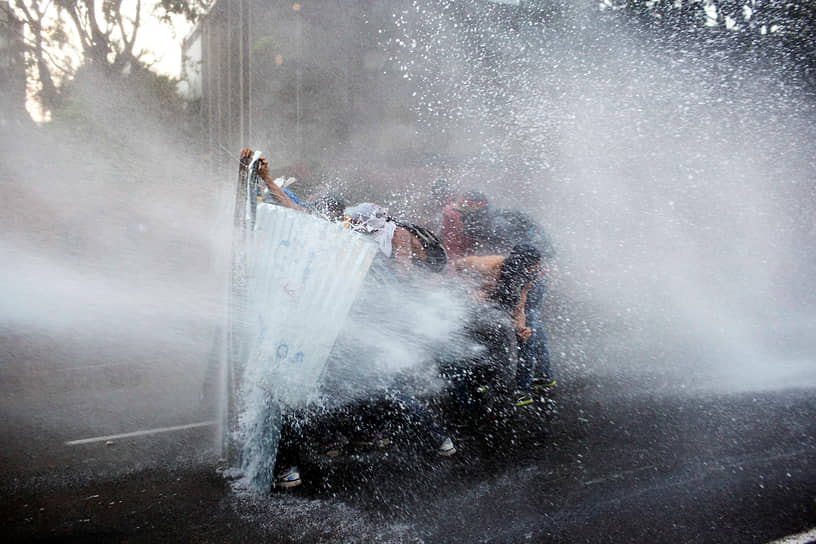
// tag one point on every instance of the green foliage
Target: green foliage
(191, 9)
(91, 90)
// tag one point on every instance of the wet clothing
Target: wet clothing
(510, 227)
(484, 231)
(479, 377)
(387, 413)
(431, 214)
(534, 354)
(466, 232)
(373, 220)
(356, 397)
(515, 275)
(436, 258)
(466, 226)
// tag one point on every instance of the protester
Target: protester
(509, 227)
(440, 196)
(466, 226)
(405, 243)
(362, 424)
(495, 248)
(506, 282)
(363, 421)
(328, 205)
(533, 371)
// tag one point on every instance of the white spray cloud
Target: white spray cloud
(677, 187)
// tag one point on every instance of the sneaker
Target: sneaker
(375, 440)
(335, 447)
(542, 382)
(332, 449)
(288, 478)
(523, 399)
(446, 448)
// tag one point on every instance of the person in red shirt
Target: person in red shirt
(466, 226)
(439, 196)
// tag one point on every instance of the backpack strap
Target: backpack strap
(435, 254)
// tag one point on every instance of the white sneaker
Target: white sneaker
(446, 448)
(289, 478)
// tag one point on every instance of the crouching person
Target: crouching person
(480, 379)
(503, 282)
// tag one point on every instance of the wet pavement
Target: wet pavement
(614, 464)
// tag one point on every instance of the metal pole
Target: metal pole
(297, 87)
(246, 84)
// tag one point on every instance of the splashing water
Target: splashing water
(304, 275)
(323, 330)
(678, 189)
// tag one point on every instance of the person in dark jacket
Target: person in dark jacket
(505, 280)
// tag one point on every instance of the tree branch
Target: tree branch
(49, 95)
(136, 23)
(84, 38)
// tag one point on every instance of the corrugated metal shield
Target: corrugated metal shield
(304, 274)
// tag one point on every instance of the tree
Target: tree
(34, 16)
(101, 34)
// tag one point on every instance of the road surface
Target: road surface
(107, 450)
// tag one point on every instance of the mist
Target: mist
(676, 178)
(676, 184)
(675, 181)
(395, 335)
(115, 253)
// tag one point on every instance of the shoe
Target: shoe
(446, 448)
(288, 478)
(523, 399)
(542, 382)
(375, 440)
(332, 449)
(335, 447)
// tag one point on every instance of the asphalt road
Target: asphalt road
(615, 463)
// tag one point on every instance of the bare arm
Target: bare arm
(483, 271)
(402, 247)
(277, 193)
(519, 318)
(486, 267)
